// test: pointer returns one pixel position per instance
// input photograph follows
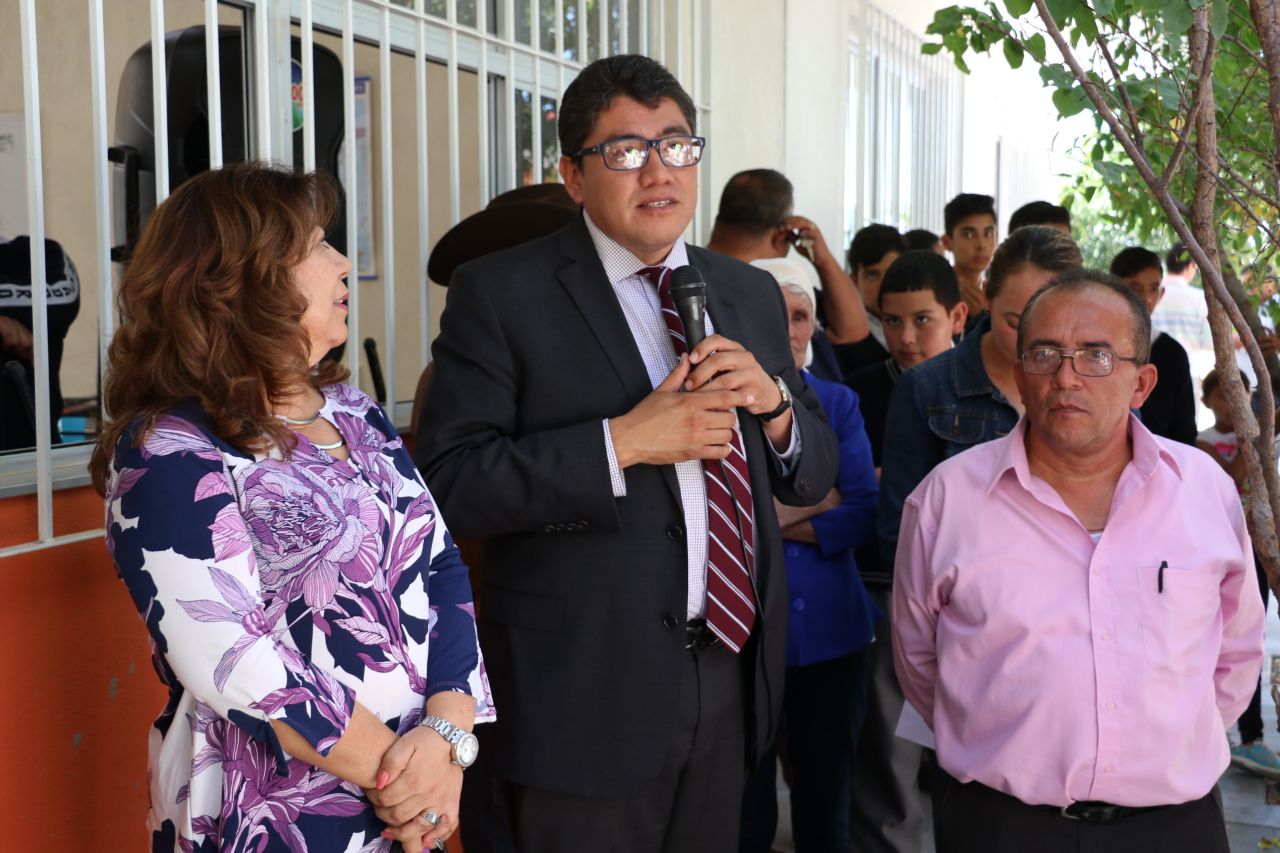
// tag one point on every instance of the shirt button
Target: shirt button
(797, 605)
(675, 532)
(1103, 636)
(1108, 770)
(1111, 706)
(1096, 572)
(670, 621)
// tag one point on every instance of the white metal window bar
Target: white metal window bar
(904, 154)
(482, 46)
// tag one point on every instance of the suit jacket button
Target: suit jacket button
(675, 532)
(670, 621)
(550, 528)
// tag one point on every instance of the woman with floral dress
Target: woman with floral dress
(308, 610)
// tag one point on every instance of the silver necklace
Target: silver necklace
(333, 446)
(300, 421)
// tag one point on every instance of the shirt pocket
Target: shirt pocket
(1178, 619)
(958, 428)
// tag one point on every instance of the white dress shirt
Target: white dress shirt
(640, 305)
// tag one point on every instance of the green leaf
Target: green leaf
(1035, 47)
(1113, 173)
(1085, 22)
(1017, 8)
(1013, 53)
(1176, 17)
(945, 19)
(1069, 101)
(1103, 8)
(1170, 97)
(931, 48)
(1218, 17)
(1061, 10)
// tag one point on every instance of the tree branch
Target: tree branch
(1267, 22)
(1264, 482)
(1193, 114)
(1134, 127)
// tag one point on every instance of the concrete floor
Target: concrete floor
(1250, 819)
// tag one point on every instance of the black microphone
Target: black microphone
(689, 292)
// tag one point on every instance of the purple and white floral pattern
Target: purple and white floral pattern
(279, 590)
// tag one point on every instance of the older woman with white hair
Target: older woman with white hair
(831, 617)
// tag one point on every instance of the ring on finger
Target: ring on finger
(431, 817)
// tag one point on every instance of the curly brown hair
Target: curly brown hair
(209, 313)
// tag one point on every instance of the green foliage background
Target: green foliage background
(1137, 52)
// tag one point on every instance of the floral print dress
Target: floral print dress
(285, 590)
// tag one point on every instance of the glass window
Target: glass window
(467, 13)
(547, 23)
(615, 27)
(550, 142)
(523, 30)
(635, 9)
(571, 31)
(524, 137)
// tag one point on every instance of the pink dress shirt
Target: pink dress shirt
(1054, 669)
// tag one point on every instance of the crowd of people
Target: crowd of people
(904, 526)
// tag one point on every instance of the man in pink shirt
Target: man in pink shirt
(1075, 612)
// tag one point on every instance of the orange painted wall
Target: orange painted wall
(80, 691)
(79, 695)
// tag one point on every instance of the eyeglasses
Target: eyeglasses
(1085, 362)
(628, 153)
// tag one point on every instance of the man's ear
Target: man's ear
(1147, 378)
(780, 242)
(1160, 295)
(959, 314)
(571, 174)
(946, 243)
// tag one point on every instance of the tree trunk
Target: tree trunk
(1255, 443)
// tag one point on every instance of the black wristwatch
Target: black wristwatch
(784, 405)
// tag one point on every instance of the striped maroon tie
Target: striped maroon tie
(731, 608)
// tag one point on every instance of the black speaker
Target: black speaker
(134, 151)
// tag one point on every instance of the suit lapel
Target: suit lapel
(584, 279)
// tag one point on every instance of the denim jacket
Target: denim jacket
(938, 409)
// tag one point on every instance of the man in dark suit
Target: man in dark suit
(632, 602)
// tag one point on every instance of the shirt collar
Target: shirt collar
(1148, 455)
(619, 263)
(968, 375)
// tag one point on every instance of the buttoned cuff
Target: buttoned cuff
(787, 458)
(615, 473)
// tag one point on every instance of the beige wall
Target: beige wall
(63, 48)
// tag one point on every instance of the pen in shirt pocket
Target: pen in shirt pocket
(1164, 564)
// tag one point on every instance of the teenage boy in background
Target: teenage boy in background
(1170, 411)
(871, 252)
(920, 307)
(1044, 213)
(970, 237)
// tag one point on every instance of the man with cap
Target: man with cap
(514, 217)
(632, 600)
